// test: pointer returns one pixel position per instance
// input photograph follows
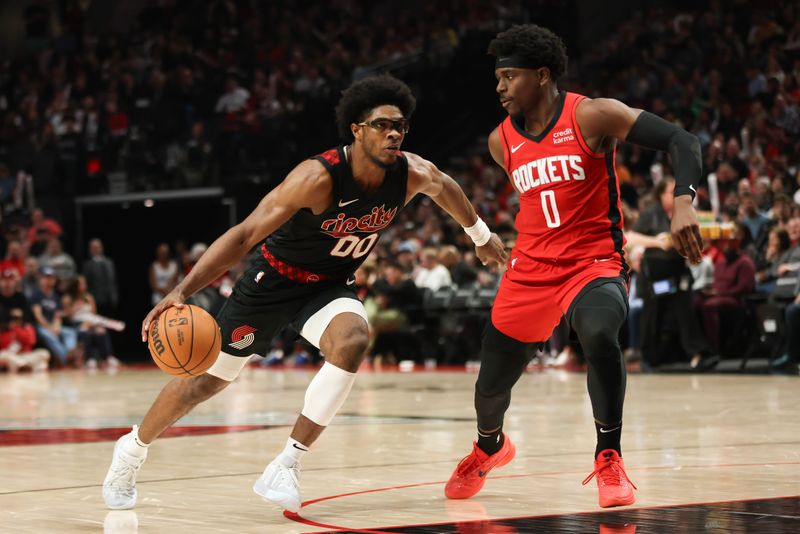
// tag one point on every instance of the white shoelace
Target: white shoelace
(124, 475)
(289, 476)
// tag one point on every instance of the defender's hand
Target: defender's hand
(175, 298)
(686, 230)
(493, 252)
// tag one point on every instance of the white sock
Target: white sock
(135, 445)
(292, 453)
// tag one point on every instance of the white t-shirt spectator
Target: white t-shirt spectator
(434, 278)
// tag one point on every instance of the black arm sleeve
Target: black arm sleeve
(651, 131)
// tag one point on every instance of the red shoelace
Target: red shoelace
(471, 462)
(609, 471)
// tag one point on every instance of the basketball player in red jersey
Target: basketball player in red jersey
(558, 150)
(315, 229)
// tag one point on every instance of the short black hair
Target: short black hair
(535, 43)
(363, 96)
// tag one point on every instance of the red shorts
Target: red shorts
(534, 294)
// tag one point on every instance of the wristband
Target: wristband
(479, 233)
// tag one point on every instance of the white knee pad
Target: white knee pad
(326, 393)
(316, 324)
(227, 367)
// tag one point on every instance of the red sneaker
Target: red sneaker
(470, 474)
(615, 488)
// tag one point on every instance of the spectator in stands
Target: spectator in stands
(11, 298)
(788, 362)
(164, 273)
(635, 304)
(734, 277)
(17, 339)
(101, 279)
(15, 258)
(431, 274)
(394, 295)
(42, 228)
(407, 257)
(777, 253)
(30, 280)
(755, 221)
(80, 313)
(59, 261)
(61, 341)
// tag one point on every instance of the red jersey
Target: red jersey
(569, 195)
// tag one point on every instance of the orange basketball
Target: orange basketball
(184, 342)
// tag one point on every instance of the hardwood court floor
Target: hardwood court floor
(687, 439)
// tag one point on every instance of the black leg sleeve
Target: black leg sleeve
(597, 315)
(503, 359)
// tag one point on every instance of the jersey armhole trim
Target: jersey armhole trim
(579, 135)
(506, 151)
(336, 187)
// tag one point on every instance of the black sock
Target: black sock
(608, 437)
(490, 442)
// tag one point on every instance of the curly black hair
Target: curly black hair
(535, 43)
(363, 96)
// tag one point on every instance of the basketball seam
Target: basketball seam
(166, 334)
(191, 345)
(213, 341)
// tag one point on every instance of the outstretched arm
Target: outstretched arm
(425, 178)
(603, 118)
(306, 186)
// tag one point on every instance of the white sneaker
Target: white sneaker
(119, 487)
(113, 362)
(280, 484)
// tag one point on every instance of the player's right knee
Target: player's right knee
(349, 352)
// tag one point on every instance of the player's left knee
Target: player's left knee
(600, 340)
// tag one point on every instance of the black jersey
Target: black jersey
(334, 243)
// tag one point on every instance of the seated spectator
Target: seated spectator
(790, 263)
(11, 297)
(431, 274)
(17, 339)
(788, 362)
(15, 258)
(30, 280)
(777, 253)
(734, 277)
(60, 340)
(80, 312)
(40, 232)
(393, 296)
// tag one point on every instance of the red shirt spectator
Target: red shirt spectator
(40, 223)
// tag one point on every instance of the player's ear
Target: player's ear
(356, 130)
(544, 75)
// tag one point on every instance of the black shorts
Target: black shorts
(263, 302)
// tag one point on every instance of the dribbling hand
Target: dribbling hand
(172, 299)
(493, 252)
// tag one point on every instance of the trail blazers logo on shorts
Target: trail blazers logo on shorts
(243, 337)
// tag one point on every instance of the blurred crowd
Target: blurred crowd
(201, 93)
(54, 313)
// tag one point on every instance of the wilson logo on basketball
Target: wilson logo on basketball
(243, 337)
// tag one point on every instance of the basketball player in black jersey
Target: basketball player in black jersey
(316, 228)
